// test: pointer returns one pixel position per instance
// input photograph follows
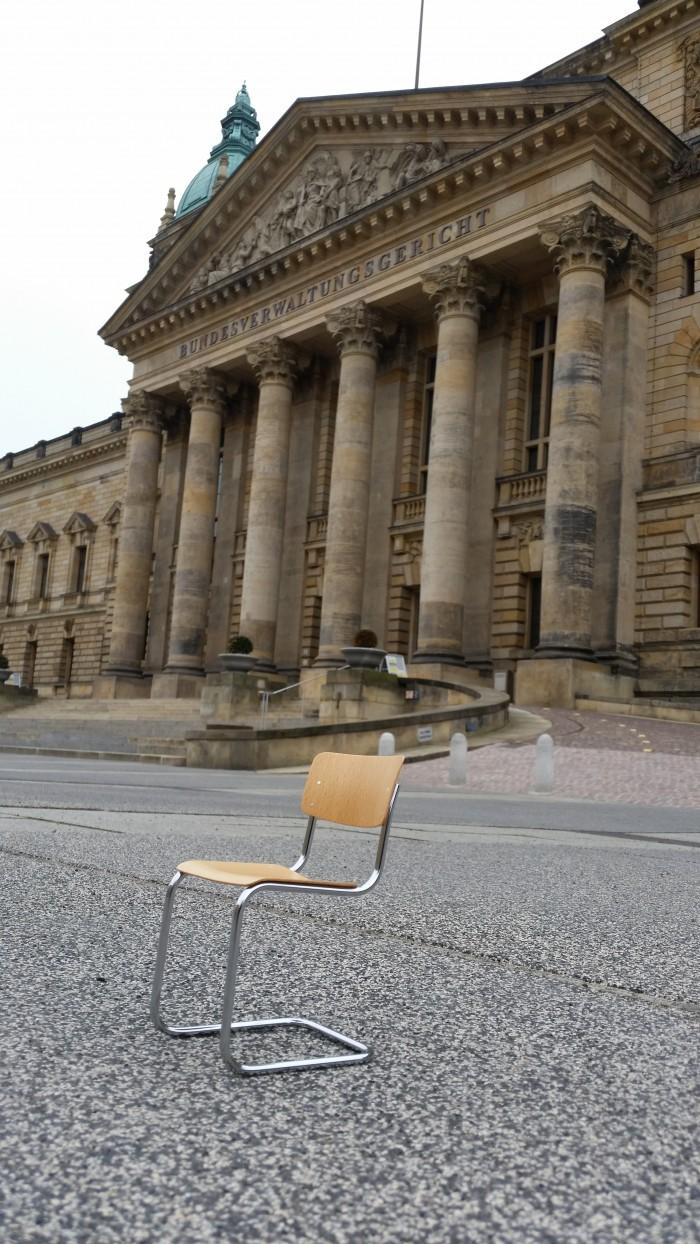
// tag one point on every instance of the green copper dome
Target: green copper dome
(239, 131)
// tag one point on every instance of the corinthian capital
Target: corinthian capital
(456, 288)
(202, 385)
(143, 411)
(274, 360)
(356, 328)
(588, 239)
(636, 268)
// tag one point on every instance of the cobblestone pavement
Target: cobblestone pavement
(607, 758)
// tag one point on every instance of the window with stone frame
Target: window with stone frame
(79, 567)
(42, 575)
(427, 417)
(543, 333)
(8, 586)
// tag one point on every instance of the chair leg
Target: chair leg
(360, 1052)
(195, 1030)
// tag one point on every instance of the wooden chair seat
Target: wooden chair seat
(243, 874)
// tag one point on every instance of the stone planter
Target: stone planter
(240, 662)
(363, 658)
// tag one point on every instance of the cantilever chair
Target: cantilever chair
(357, 791)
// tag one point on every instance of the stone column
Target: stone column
(356, 329)
(274, 363)
(196, 536)
(456, 290)
(583, 246)
(622, 448)
(126, 649)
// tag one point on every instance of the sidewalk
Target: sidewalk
(609, 759)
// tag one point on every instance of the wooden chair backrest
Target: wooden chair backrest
(350, 790)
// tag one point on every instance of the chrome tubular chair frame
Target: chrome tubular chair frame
(359, 1052)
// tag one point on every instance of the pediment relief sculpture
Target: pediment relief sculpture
(330, 186)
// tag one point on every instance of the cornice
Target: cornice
(445, 112)
(48, 466)
(611, 115)
(621, 40)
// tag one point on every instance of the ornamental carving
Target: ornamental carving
(330, 186)
(687, 165)
(274, 360)
(528, 530)
(589, 239)
(456, 288)
(690, 52)
(636, 268)
(144, 412)
(202, 385)
(356, 328)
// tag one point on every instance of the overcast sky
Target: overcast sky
(104, 104)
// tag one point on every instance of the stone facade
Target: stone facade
(428, 362)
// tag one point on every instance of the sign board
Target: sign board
(394, 663)
(424, 733)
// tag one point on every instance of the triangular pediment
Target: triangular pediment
(328, 162)
(9, 541)
(113, 516)
(78, 522)
(41, 531)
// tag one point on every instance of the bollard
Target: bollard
(457, 775)
(543, 780)
(387, 744)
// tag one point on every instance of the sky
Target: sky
(104, 104)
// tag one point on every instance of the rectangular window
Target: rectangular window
(688, 274)
(543, 333)
(9, 586)
(427, 419)
(43, 576)
(79, 568)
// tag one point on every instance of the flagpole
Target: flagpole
(420, 40)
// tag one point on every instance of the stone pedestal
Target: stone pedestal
(196, 536)
(549, 683)
(229, 696)
(274, 363)
(126, 650)
(121, 687)
(456, 290)
(356, 329)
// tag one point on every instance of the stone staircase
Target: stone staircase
(148, 730)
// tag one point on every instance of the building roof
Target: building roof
(239, 131)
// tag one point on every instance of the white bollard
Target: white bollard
(387, 744)
(457, 775)
(543, 780)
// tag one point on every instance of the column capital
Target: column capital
(144, 411)
(636, 269)
(456, 288)
(203, 385)
(586, 239)
(274, 360)
(357, 329)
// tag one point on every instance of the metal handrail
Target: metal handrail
(266, 696)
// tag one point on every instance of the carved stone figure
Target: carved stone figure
(327, 189)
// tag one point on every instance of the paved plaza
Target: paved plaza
(527, 975)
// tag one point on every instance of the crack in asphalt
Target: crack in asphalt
(596, 985)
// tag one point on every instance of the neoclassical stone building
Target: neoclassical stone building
(426, 362)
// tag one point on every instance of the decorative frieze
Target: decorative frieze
(587, 239)
(690, 53)
(356, 328)
(274, 360)
(456, 288)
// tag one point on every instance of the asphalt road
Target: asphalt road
(121, 786)
(530, 991)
